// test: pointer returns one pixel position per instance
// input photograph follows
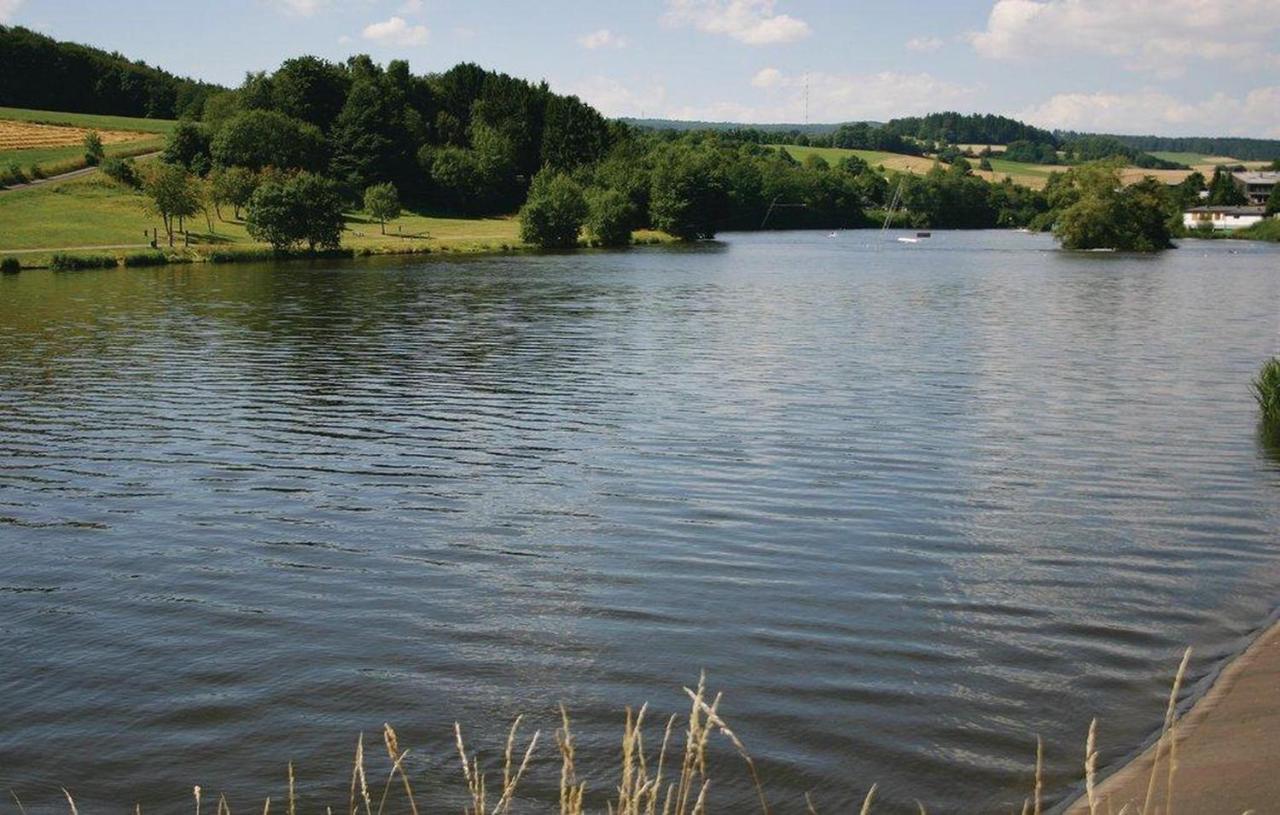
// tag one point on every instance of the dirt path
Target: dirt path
(1228, 747)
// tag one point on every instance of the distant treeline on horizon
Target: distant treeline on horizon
(46, 74)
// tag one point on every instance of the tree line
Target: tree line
(43, 73)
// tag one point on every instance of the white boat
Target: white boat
(908, 240)
(833, 234)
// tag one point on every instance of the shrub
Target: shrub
(124, 171)
(609, 217)
(10, 265)
(138, 259)
(1266, 389)
(35, 172)
(63, 262)
(93, 150)
(554, 214)
(12, 175)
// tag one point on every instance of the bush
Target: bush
(382, 201)
(10, 265)
(609, 217)
(124, 171)
(67, 263)
(34, 172)
(145, 259)
(553, 215)
(1266, 389)
(12, 175)
(93, 150)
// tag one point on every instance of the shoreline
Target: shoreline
(1227, 743)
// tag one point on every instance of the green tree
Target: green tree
(554, 213)
(234, 186)
(382, 201)
(267, 138)
(172, 195)
(188, 146)
(1106, 215)
(574, 133)
(369, 144)
(1223, 191)
(1273, 201)
(304, 209)
(689, 198)
(609, 217)
(93, 149)
(310, 89)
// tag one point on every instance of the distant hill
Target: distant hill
(42, 73)
(1233, 146)
(819, 129)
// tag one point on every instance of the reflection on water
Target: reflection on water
(908, 506)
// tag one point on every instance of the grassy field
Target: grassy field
(93, 211)
(52, 141)
(1031, 175)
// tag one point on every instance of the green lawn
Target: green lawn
(89, 120)
(1017, 168)
(95, 211)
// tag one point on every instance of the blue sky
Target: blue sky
(1172, 67)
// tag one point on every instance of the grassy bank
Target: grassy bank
(92, 217)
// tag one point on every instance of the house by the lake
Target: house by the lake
(1256, 185)
(1222, 218)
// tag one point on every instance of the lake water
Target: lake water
(908, 506)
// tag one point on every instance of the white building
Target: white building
(1219, 218)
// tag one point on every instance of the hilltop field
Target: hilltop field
(1030, 175)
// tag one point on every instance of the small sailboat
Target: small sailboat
(908, 240)
(833, 234)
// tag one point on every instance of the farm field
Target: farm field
(53, 141)
(1031, 175)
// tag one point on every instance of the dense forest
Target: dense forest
(43, 73)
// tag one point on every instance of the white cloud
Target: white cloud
(612, 98)
(7, 8)
(924, 44)
(753, 22)
(1158, 36)
(304, 8)
(1256, 113)
(395, 31)
(780, 98)
(767, 78)
(602, 38)
(841, 97)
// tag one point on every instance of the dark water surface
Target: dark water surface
(907, 505)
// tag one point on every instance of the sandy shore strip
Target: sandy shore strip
(1228, 747)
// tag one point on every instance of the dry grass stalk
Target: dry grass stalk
(715, 720)
(223, 807)
(21, 809)
(266, 806)
(866, 803)
(1039, 773)
(1091, 767)
(476, 782)
(196, 792)
(571, 791)
(293, 800)
(70, 802)
(1164, 734)
(359, 780)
